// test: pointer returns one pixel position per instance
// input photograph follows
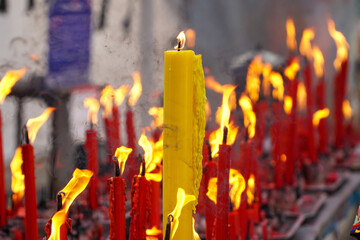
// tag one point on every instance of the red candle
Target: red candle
(31, 226)
(210, 171)
(111, 142)
(131, 164)
(116, 122)
(243, 214)
(155, 212)
(117, 210)
(276, 141)
(260, 112)
(223, 199)
(91, 147)
(339, 96)
(2, 182)
(321, 104)
(234, 225)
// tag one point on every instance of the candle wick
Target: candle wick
(59, 200)
(209, 150)
(142, 167)
(26, 135)
(179, 45)
(225, 135)
(168, 227)
(117, 167)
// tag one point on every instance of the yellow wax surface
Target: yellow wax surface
(184, 131)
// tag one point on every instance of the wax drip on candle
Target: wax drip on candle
(168, 227)
(116, 165)
(209, 150)
(225, 135)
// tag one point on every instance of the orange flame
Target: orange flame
(195, 234)
(290, 35)
(215, 138)
(8, 81)
(278, 85)
(136, 89)
(34, 124)
(347, 110)
(266, 79)
(158, 114)
(318, 61)
(250, 191)
(249, 114)
(207, 111)
(17, 176)
(182, 200)
(212, 189)
(253, 78)
(301, 96)
(153, 233)
(93, 105)
(225, 117)
(75, 186)
(120, 93)
(212, 84)
(237, 186)
(122, 153)
(288, 104)
(181, 41)
(190, 36)
(341, 44)
(305, 45)
(106, 100)
(320, 114)
(292, 70)
(283, 157)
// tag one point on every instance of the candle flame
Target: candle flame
(225, 117)
(250, 192)
(207, 111)
(216, 137)
(320, 114)
(305, 44)
(153, 233)
(191, 37)
(212, 189)
(182, 200)
(291, 35)
(158, 114)
(136, 89)
(122, 153)
(283, 157)
(253, 78)
(347, 110)
(181, 41)
(301, 96)
(341, 44)
(212, 84)
(318, 62)
(106, 100)
(292, 69)
(278, 85)
(93, 105)
(17, 176)
(8, 81)
(249, 114)
(120, 94)
(75, 186)
(267, 68)
(146, 146)
(288, 103)
(34, 124)
(237, 185)
(195, 234)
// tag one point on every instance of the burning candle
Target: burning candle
(91, 147)
(117, 196)
(237, 186)
(210, 208)
(341, 66)
(27, 150)
(184, 118)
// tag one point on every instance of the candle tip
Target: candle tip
(26, 135)
(142, 166)
(59, 200)
(225, 135)
(117, 167)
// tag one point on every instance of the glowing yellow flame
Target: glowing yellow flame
(153, 233)
(305, 44)
(8, 81)
(290, 35)
(93, 105)
(191, 37)
(145, 144)
(225, 117)
(17, 176)
(136, 89)
(106, 100)
(250, 191)
(249, 114)
(301, 96)
(318, 61)
(266, 79)
(253, 78)
(195, 234)
(288, 104)
(278, 85)
(182, 200)
(283, 157)
(237, 185)
(292, 70)
(120, 93)
(181, 41)
(320, 114)
(75, 186)
(122, 153)
(158, 114)
(34, 124)
(341, 44)
(215, 138)
(347, 110)
(212, 189)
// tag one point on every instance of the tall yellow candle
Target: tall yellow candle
(184, 131)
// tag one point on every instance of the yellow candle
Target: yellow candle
(184, 131)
